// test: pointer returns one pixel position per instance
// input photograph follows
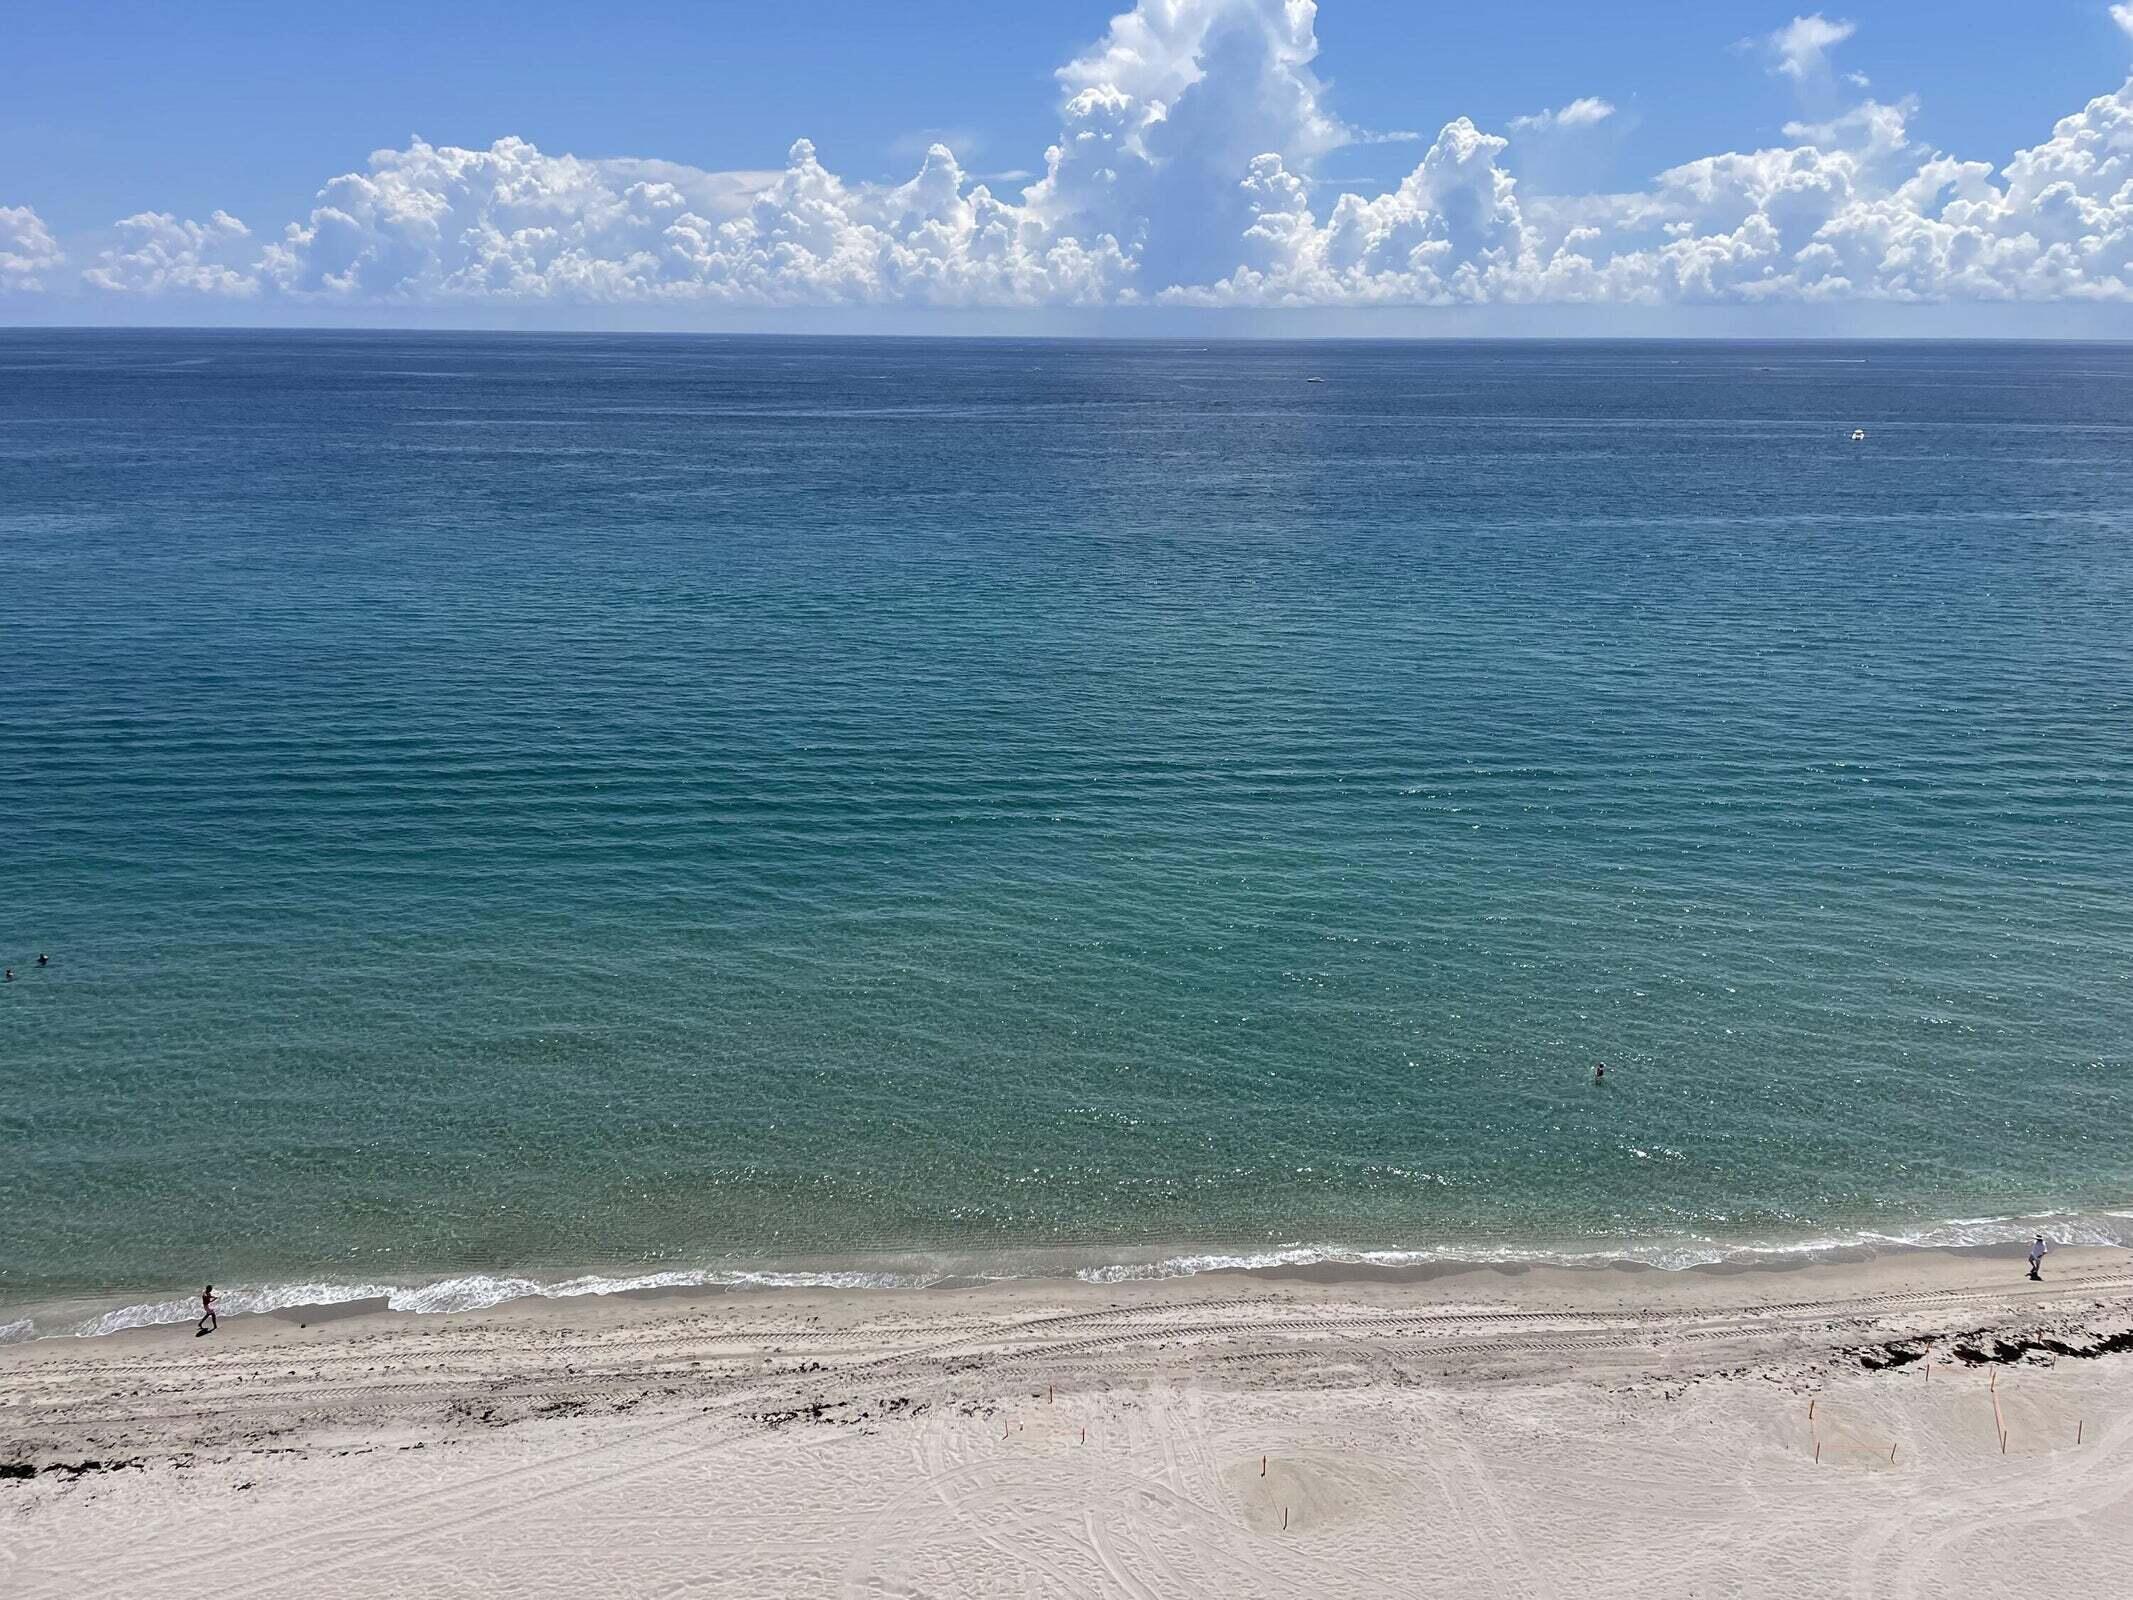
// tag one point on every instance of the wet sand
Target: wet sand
(1918, 1422)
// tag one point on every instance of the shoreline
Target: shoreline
(1869, 1426)
(1919, 1295)
(461, 1293)
(1743, 1281)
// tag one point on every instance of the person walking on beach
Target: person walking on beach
(2037, 1253)
(208, 1320)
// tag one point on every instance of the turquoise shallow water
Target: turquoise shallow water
(554, 805)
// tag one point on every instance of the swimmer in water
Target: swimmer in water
(1599, 1074)
(43, 960)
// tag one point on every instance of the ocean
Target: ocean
(517, 814)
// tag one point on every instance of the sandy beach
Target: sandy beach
(1918, 1423)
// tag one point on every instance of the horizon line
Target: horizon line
(389, 331)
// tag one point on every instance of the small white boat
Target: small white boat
(1858, 436)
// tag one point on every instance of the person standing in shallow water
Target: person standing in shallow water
(2037, 1253)
(208, 1321)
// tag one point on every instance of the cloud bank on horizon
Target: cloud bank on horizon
(1184, 173)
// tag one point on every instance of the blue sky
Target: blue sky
(251, 110)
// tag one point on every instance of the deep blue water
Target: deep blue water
(528, 804)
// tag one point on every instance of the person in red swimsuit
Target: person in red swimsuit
(208, 1322)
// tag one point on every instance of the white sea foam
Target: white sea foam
(1671, 1254)
(478, 1293)
(1311, 1255)
(229, 1302)
(475, 1292)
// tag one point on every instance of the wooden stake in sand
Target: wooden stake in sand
(1047, 1394)
(1284, 1519)
(1085, 1433)
(1818, 1449)
(1810, 1410)
(1892, 1455)
(2083, 1423)
(1262, 1466)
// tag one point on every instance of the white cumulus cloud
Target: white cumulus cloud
(439, 223)
(1862, 212)
(2123, 16)
(1167, 111)
(1451, 232)
(1583, 112)
(1801, 48)
(1856, 211)
(158, 252)
(1158, 118)
(1186, 171)
(27, 250)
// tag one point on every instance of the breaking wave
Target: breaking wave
(2104, 1228)
(477, 1292)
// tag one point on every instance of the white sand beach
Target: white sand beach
(1480, 1432)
